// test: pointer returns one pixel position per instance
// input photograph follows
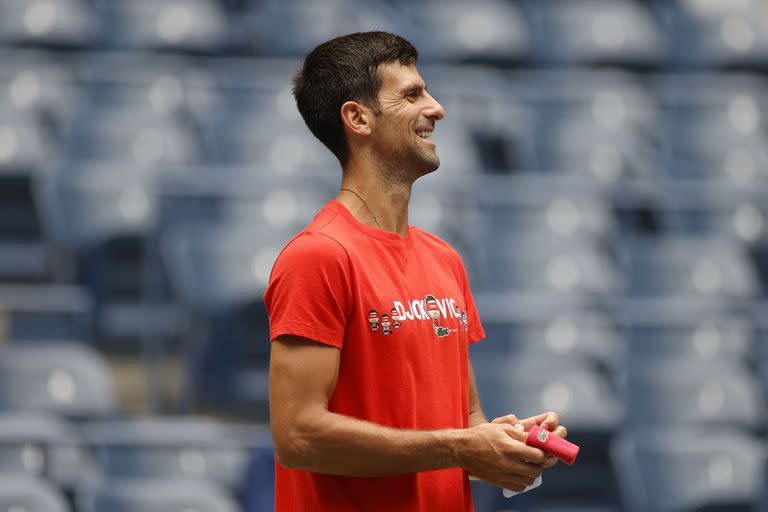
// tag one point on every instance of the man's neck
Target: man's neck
(386, 198)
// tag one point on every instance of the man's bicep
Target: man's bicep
(302, 377)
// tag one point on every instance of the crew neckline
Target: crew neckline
(378, 234)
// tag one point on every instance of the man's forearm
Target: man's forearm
(341, 445)
(476, 418)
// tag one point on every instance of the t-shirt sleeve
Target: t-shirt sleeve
(309, 292)
(475, 327)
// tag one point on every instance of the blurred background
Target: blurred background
(604, 175)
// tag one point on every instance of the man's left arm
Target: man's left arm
(476, 414)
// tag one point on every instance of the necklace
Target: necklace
(366, 207)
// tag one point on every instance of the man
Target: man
(346, 402)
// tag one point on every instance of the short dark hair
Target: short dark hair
(340, 70)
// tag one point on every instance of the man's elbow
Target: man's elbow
(293, 448)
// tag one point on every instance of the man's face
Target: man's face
(403, 131)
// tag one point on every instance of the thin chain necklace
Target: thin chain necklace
(366, 207)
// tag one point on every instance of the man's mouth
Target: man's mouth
(424, 134)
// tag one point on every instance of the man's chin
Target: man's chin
(429, 167)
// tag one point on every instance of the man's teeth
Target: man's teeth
(424, 135)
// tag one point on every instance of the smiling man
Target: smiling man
(366, 418)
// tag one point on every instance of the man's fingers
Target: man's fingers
(550, 461)
(514, 432)
(547, 420)
(561, 431)
(510, 419)
(525, 452)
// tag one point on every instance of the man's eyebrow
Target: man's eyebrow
(414, 87)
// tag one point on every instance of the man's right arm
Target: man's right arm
(309, 437)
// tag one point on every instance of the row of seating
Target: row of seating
(611, 127)
(86, 447)
(630, 32)
(51, 465)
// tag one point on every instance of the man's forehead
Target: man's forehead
(396, 75)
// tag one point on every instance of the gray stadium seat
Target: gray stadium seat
(715, 33)
(683, 393)
(708, 268)
(65, 379)
(522, 326)
(37, 82)
(531, 263)
(43, 446)
(216, 268)
(68, 23)
(24, 145)
(28, 494)
(486, 30)
(716, 207)
(595, 31)
(181, 25)
(305, 24)
(673, 469)
(87, 204)
(169, 448)
(164, 85)
(156, 495)
(563, 207)
(252, 138)
(132, 134)
(667, 330)
(45, 312)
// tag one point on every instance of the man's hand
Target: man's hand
(497, 453)
(546, 420)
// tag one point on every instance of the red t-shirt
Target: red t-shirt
(401, 312)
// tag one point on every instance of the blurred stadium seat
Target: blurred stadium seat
(545, 264)
(48, 23)
(686, 331)
(67, 379)
(305, 24)
(690, 394)
(525, 325)
(44, 312)
(169, 448)
(164, 85)
(155, 495)
(24, 146)
(198, 26)
(488, 30)
(42, 446)
(35, 81)
(125, 132)
(595, 31)
(673, 469)
(698, 267)
(717, 33)
(22, 492)
(259, 484)
(603, 168)
(707, 208)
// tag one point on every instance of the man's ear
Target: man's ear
(357, 118)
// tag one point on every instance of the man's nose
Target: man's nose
(435, 110)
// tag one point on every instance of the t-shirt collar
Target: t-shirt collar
(384, 236)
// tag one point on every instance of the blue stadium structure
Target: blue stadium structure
(604, 177)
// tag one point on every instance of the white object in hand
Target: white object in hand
(508, 493)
